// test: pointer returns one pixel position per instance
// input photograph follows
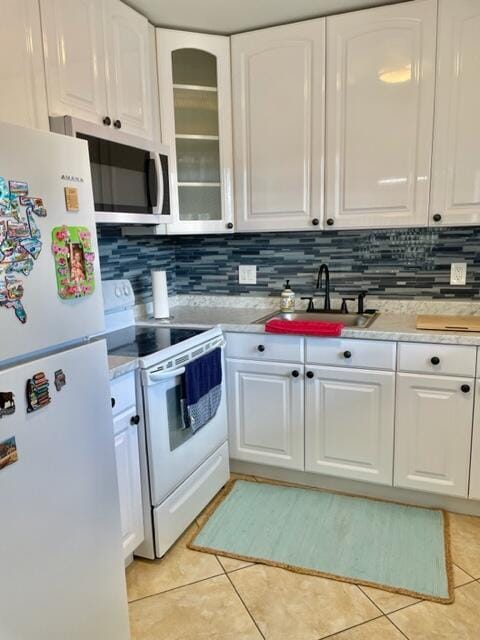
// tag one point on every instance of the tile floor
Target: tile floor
(190, 595)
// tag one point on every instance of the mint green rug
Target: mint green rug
(381, 544)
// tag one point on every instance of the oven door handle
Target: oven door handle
(159, 376)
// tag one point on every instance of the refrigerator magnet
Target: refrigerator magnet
(7, 403)
(18, 187)
(8, 452)
(71, 199)
(60, 379)
(37, 392)
(74, 261)
(34, 205)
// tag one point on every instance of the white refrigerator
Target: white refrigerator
(61, 562)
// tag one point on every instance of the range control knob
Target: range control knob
(126, 290)
(118, 292)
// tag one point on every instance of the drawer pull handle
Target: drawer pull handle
(435, 360)
(113, 402)
(261, 348)
(315, 222)
(465, 388)
(107, 121)
(117, 124)
(310, 374)
(437, 217)
(330, 222)
(134, 420)
(347, 354)
(295, 373)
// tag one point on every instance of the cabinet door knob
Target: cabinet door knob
(437, 217)
(465, 388)
(310, 374)
(229, 225)
(117, 124)
(134, 420)
(113, 402)
(315, 222)
(435, 360)
(330, 222)
(261, 348)
(347, 354)
(107, 121)
(295, 373)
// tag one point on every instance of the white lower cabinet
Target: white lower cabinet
(433, 433)
(474, 490)
(128, 473)
(349, 423)
(265, 411)
(125, 426)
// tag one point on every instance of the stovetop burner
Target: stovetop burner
(143, 341)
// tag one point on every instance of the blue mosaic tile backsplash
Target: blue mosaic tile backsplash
(398, 263)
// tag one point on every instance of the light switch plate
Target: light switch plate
(458, 273)
(247, 274)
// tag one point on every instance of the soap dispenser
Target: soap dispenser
(287, 299)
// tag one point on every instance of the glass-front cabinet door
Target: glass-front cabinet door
(194, 87)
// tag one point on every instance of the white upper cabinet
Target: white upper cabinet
(380, 95)
(456, 158)
(73, 36)
(128, 46)
(24, 101)
(195, 108)
(97, 57)
(278, 78)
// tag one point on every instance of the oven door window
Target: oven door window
(121, 177)
(178, 434)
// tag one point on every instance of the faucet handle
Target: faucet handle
(310, 306)
(344, 307)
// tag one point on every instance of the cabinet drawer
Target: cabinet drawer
(364, 354)
(122, 390)
(261, 346)
(451, 360)
(123, 420)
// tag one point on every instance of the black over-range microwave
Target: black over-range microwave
(130, 177)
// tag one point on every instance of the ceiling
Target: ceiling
(233, 16)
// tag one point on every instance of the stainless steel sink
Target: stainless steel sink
(360, 320)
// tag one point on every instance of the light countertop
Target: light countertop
(395, 327)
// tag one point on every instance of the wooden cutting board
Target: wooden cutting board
(449, 323)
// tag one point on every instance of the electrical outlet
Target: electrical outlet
(247, 274)
(458, 273)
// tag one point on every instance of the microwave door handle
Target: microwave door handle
(155, 183)
(159, 376)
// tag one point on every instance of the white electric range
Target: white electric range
(181, 470)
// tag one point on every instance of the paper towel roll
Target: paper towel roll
(160, 294)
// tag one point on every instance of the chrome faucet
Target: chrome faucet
(324, 270)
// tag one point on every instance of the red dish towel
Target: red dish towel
(305, 327)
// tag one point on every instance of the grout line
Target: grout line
(371, 600)
(252, 564)
(397, 627)
(181, 586)
(462, 569)
(243, 602)
(355, 626)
